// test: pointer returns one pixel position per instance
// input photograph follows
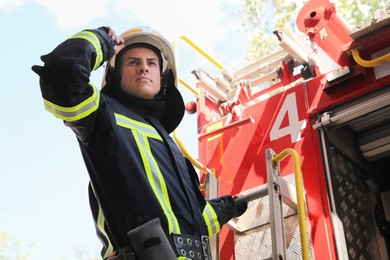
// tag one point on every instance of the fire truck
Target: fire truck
(303, 136)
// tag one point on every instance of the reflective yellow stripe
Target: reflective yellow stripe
(141, 133)
(145, 129)
(100, 225)
(94, 40)
(211, 220)
(78, 112)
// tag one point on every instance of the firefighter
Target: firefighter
(143, 192)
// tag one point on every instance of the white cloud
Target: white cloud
(203, 21)
(75, 13)
(199, 20)
(10, 4)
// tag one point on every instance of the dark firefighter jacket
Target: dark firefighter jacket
(137, 172)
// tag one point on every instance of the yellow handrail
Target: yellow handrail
(369, 63)
(300, 200)
(197, 48)
(188, 87)
(195, 162)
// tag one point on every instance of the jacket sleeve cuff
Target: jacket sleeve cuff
(224, 208)
(106, 42)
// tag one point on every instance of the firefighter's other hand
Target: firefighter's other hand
(241, 207)
(119, 41)
(230, 207)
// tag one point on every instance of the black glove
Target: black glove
(241, 207)
(227, 208)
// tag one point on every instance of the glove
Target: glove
(241, 207)
(227, 208)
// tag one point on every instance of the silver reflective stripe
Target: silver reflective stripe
(141, 133)
(77, 112)
(211, 219)
(94, 40)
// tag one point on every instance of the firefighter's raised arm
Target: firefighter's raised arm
(65, 75)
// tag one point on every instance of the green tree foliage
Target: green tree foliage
(10, 247)
(261, 17)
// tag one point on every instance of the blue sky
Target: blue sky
(43, 181)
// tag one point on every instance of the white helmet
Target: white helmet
(174, 101)
(144, 34)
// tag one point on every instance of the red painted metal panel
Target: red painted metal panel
(238, 156)
(234, 143)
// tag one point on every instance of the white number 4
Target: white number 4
(294, 126)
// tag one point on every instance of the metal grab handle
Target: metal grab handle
(252, 195)
(300, 199)
(369, 63)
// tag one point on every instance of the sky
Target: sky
(43, 180)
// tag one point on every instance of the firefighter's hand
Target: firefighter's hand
(119, 41)
(229, 208)
(241, 207)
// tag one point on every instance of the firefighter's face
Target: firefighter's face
(140, 73)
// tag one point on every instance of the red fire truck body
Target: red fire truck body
(329, 101)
